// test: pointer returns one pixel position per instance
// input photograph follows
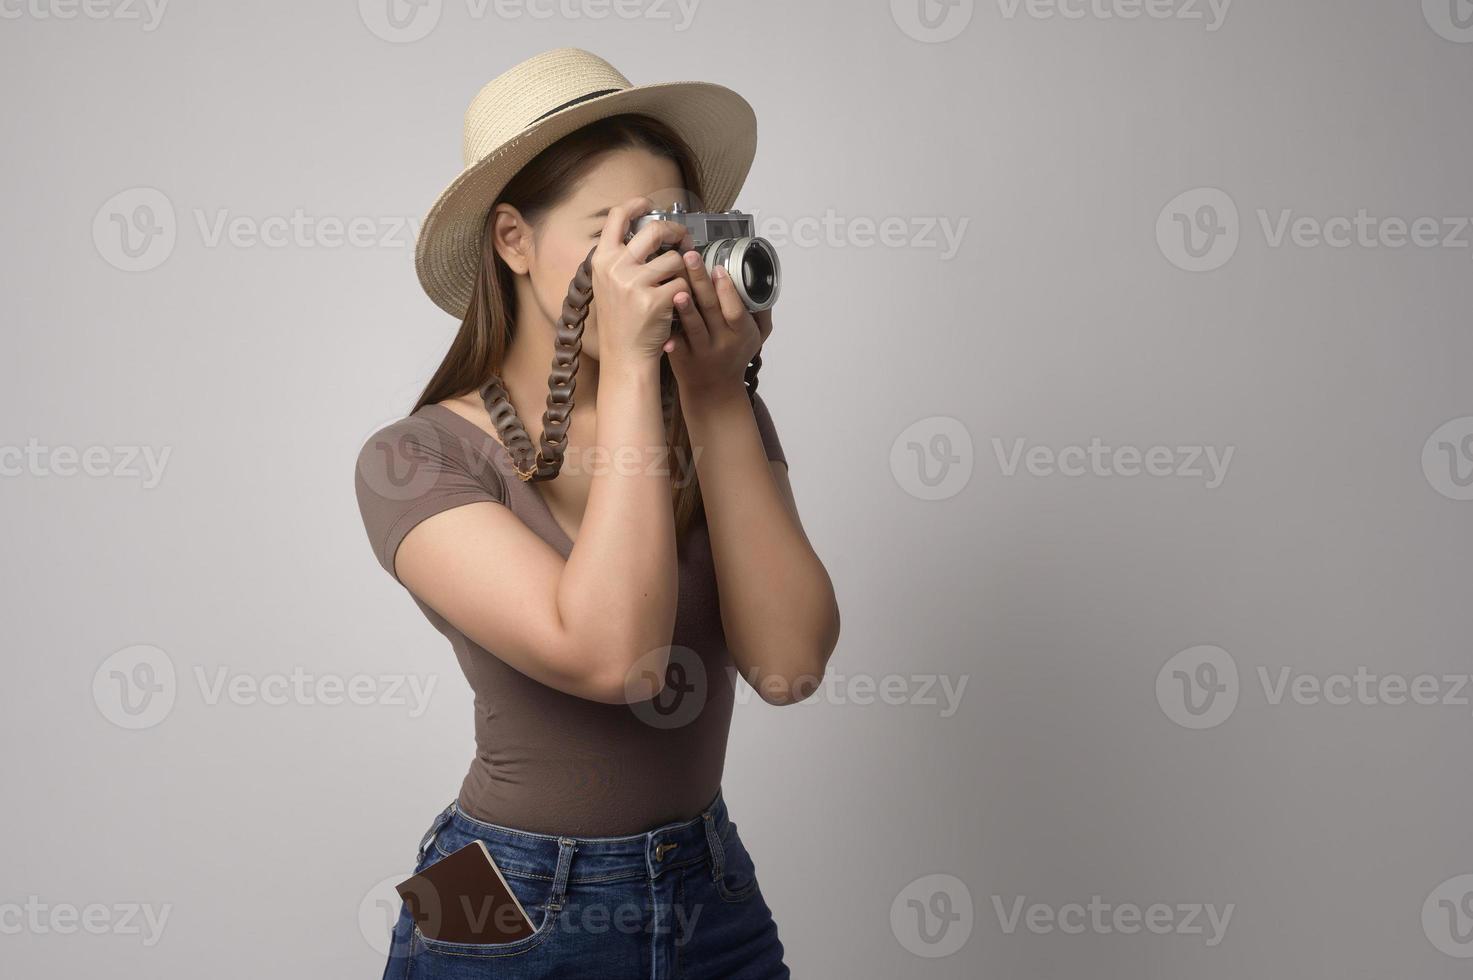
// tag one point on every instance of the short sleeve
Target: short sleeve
(770, 441)
(411, 470)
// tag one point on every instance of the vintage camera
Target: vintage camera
(726, 239)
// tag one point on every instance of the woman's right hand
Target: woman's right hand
(634, 295)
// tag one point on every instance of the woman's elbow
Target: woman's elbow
(795, 683)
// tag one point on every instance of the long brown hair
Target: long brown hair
(479, 348)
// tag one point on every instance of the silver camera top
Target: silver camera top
(705, 226)
(727, 239)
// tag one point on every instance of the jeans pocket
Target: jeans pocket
(438, 947)
(736, 877)
(534, 892)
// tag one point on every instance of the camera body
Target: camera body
(727, 239)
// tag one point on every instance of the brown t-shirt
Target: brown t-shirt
(547, 761)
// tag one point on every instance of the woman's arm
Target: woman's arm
(777, 602)
(583, 625)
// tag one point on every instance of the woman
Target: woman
(584, 608)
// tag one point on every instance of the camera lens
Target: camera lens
(753, 266)
(758, 273)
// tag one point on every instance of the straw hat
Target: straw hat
(531, 106)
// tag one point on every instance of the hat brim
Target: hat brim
(719, 125)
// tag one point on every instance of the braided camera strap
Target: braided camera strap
(546, 461)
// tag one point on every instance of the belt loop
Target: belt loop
(566, 847)
(713, 840)
(440, 821)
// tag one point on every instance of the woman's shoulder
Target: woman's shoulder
(417, 466)
(404, 440)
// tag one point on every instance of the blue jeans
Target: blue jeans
(678, 901)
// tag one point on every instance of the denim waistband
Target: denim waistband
(589, 859)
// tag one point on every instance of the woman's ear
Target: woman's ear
(511, 236)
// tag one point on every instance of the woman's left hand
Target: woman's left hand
(718, 335)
